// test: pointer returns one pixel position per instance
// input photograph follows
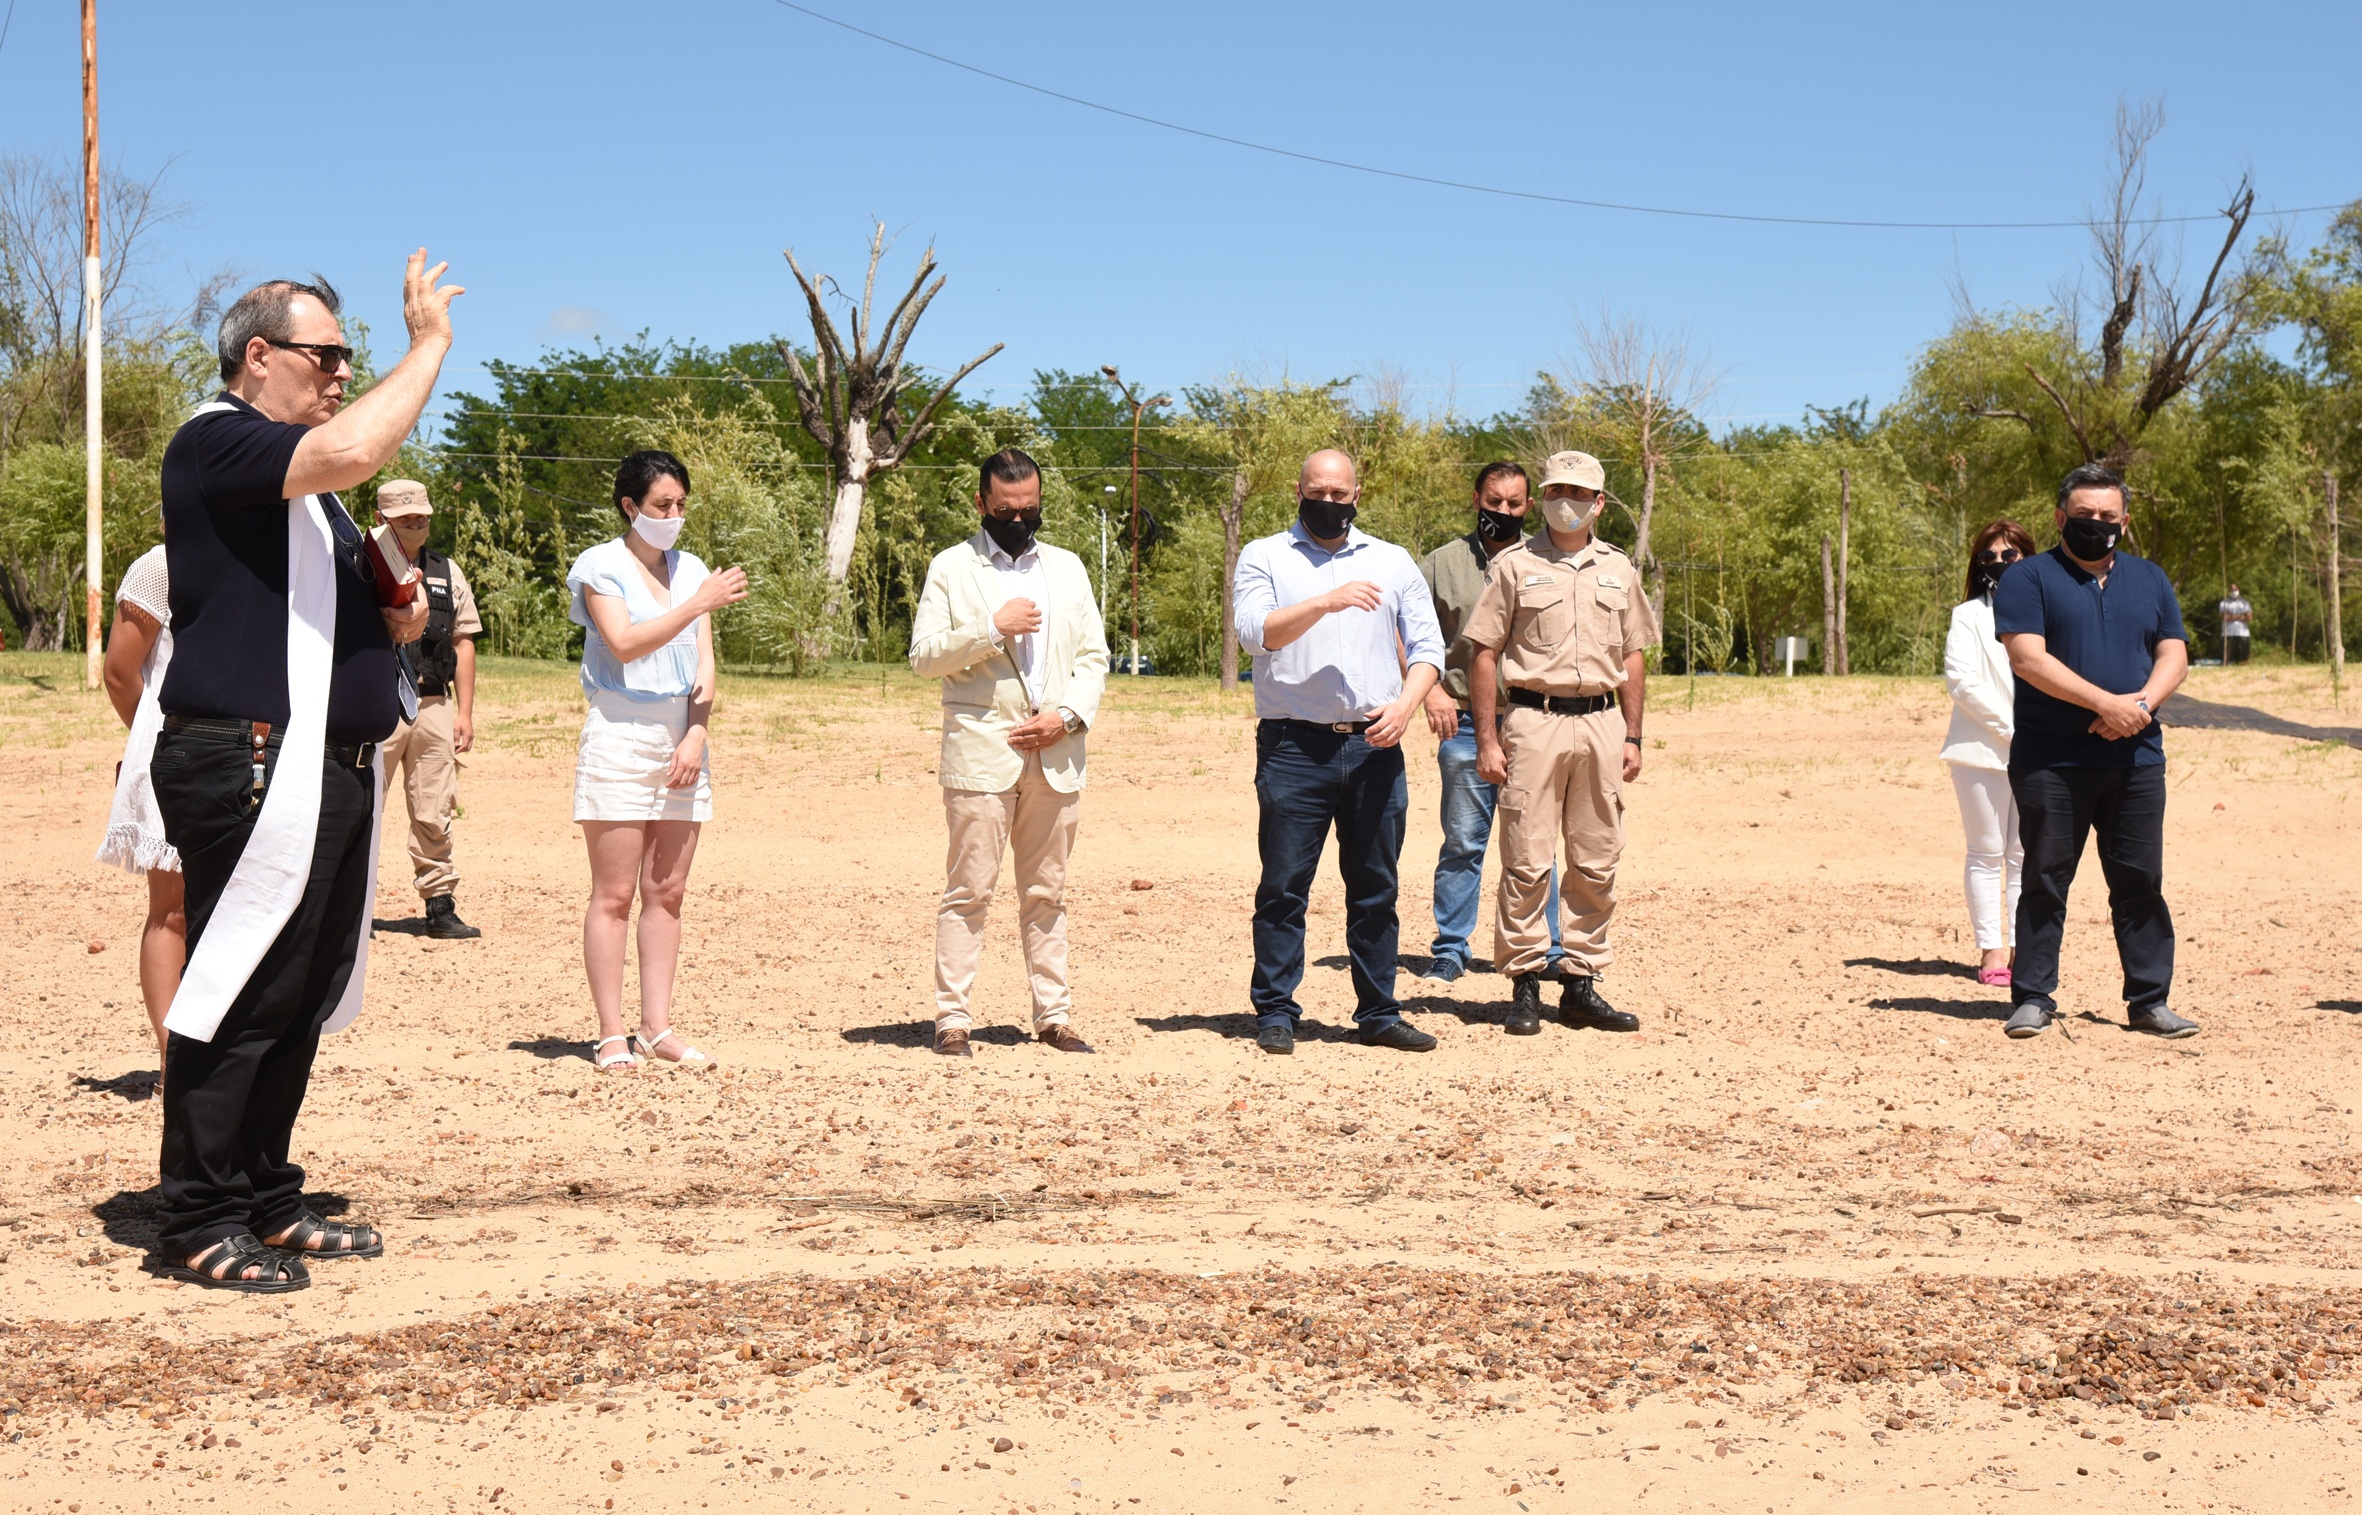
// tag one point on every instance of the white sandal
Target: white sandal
(623, 1059)
(689, 1057)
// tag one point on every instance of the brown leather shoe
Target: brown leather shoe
(952, 1044)
(1063, 1038)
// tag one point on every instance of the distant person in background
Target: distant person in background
(1333, 617)
(643, 775)
(427, 749)
(139, 649)
(1984, 695)
(2238, 626)
(1455, 575)
(1011, 626)
(2096, 643)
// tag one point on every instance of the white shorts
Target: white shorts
(619, 766)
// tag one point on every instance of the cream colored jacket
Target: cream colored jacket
(952, 639)
(1983, 690)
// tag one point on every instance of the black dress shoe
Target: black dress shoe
(1278, 1038)
(443, 922)
(1580, 1005)
(1402, 1036)
(1525, 1010)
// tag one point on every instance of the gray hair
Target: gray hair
(267, 311)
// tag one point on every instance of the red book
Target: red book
(397, 579)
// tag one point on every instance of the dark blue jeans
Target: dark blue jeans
(1306, 779)
(2058, 808)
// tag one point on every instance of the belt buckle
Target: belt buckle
(1344, 726)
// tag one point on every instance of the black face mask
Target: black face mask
(1988, 576)
(1014, 535)
(1498, 525)
(2090, 540)
(1326, 519)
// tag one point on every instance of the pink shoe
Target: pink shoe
(1998, 977)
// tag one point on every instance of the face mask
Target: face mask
(1498, 525)
(1326, 519)
(1570, 514)
(2088, 539)
(659, 532)
(1988, 575)
(1013, 536)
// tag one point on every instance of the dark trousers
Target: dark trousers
(230, 1103)
(1306, 779)
(2057, 809)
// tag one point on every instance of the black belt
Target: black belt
(261, 736)
(1563, 704)
(1354, 728)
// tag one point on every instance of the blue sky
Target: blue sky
(604, 167)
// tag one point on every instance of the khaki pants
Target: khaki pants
(1037, 823)
(430, 784)
(1566, 777)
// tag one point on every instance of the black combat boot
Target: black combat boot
(1525, 1010)
(1579, 1004)
(443, 922)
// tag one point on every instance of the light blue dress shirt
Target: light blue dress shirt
(1346, 665)
(668, 673)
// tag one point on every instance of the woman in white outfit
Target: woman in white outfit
(1977, 676)
(643, 778)
(138, 650)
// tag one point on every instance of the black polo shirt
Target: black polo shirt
(2107, 634)
(225, 546)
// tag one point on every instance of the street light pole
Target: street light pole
(93, 392)
(1103, 504)
(1138, 405)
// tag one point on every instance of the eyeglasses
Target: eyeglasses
(329, 355)
(1029, 517)
(2001, 555)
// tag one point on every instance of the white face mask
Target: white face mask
(659, 532)
(1569, 514)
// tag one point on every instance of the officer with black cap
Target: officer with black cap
(427, 749)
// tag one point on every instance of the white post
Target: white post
(93, 391)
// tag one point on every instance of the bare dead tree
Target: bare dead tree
(851, 399)
(1644, 384)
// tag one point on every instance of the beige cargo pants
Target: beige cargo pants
(421, 749)
(1566, 779)
(1037, 824)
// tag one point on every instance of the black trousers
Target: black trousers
(2125, 807)
(230, 1103)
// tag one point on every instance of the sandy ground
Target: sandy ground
(1819, 1237)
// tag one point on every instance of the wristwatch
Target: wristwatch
(1635, 741)
(1074, 723)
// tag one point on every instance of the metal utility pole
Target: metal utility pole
(93, 392)
(1103, 504)
(1139, 406)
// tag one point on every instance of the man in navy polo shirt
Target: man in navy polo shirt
(2095, 638)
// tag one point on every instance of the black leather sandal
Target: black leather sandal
(220, 1266)
(311, 1236)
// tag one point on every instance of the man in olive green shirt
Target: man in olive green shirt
(1455, 574)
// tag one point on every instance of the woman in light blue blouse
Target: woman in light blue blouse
(643, 779)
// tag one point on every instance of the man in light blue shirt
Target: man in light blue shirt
(1345, 643)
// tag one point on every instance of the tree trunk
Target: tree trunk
(1828, 610)
(2337, 619)
(1234, 518)
(1845, 523)
(844, 518)
(1641, 552)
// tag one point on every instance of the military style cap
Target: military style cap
(1578, 468)
(407, 497)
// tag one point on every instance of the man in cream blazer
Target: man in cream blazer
(1011, 627)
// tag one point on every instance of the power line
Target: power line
(1482, 189)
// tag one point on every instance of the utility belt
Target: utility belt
(260, 737)
(1563, 704)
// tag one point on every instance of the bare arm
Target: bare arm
(133, 639)
(463, 730)
(1484, 706)
(689, 756)
(1633, 701)
(364, 436)
(631, 642)
(2116, 716)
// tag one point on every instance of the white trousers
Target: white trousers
(1989, 816)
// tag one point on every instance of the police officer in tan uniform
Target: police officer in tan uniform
(1563, 620)
(425, 751)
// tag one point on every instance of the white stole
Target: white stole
(269, 879)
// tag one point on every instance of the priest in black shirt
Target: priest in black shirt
(284, 679)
